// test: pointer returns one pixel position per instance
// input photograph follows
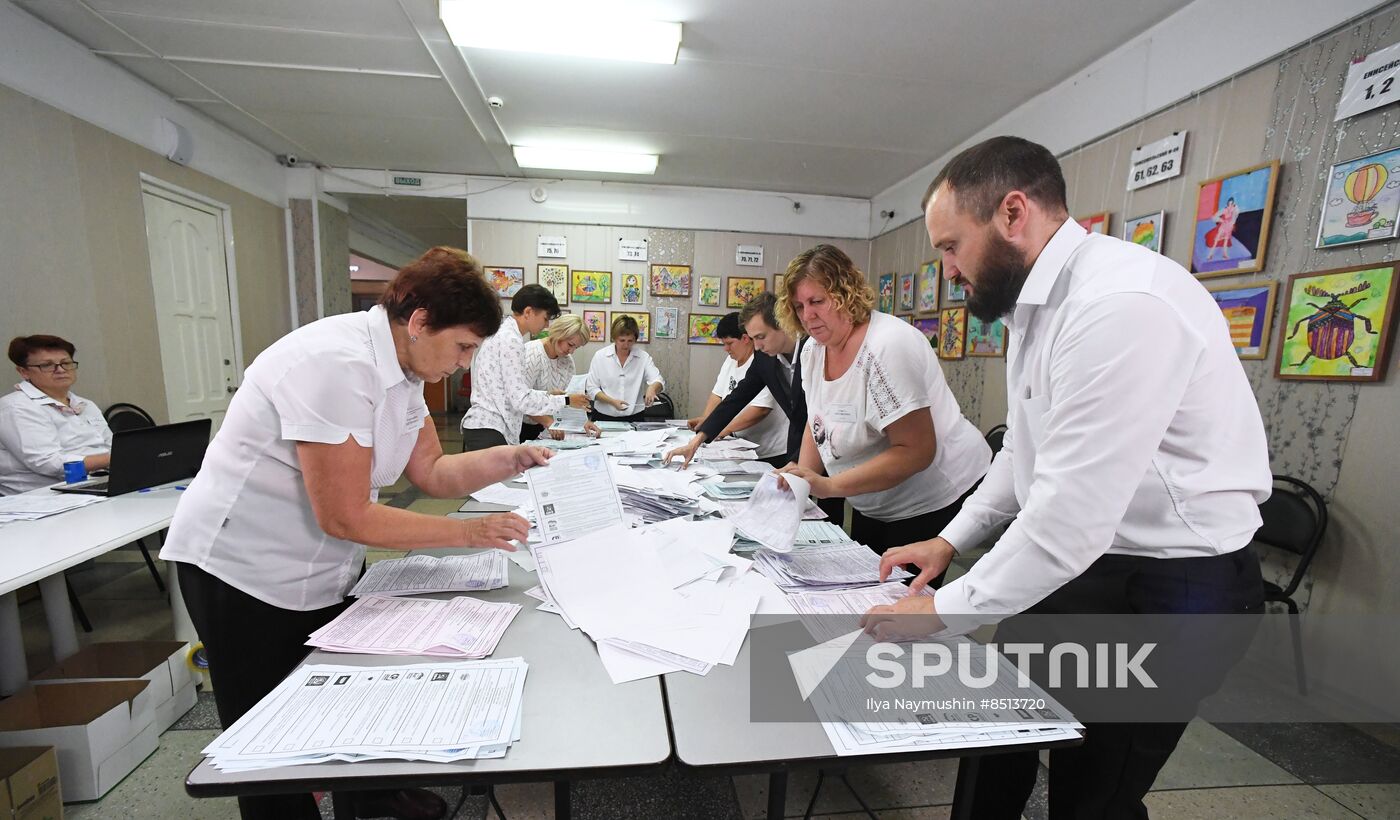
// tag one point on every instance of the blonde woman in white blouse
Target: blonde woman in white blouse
(271, 535)
(549, 366)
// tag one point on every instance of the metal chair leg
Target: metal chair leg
(150, 563)
(77, 606)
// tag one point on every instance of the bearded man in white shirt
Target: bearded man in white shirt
(1132, 469)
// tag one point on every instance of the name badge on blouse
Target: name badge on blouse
(844, 413)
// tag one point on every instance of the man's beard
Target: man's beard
(999, 281)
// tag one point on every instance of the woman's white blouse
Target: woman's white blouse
(39, 434)
(627, 382)
(246, 518)
(544, 373)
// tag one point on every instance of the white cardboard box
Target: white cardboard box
(102, 730)
(161, 663)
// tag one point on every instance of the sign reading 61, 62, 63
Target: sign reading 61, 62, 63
(1156, 161)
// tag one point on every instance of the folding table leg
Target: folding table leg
(777, 794)
(561, 800)
(963, 789)
(343, 804)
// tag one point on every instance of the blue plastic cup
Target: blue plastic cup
(74, 471)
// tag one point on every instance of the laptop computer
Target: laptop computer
(149, 456)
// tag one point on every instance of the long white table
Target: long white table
(40, 551)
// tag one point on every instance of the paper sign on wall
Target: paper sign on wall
(748, 255)
(1157, 161)
(552, 247)
(1371, 82)
(632, 250)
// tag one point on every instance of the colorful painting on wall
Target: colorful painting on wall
(668, 322)
(906, 293)
(1146, 230)
(886, 294)
(709, 291)
(928, 325)
(643, 323)
(926, 285)
(631, 289)
(1337, 324)
(742, 290)
(1248, 309)
(1362, 202)
(1095, 223)
(1232, 221)
(555, 279)
(670, 280)
(505, 281)
(591, 286)
(985, 338)
(702, 329)
(952, 331)
(596, 323)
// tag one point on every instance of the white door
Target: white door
(189, 272)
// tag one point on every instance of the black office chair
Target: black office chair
(995, 436)
(661, 409)
(123, 416)
(1295, 518)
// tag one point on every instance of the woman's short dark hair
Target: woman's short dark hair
(448, 284)
(729, 327)
(537, 297)
(22, 346)
(984, 174)
(625, 326)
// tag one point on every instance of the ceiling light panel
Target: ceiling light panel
(573, 159)
(560, 28)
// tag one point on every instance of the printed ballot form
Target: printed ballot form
(574, 495)
(774, 512)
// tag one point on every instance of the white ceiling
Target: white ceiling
(831, 97)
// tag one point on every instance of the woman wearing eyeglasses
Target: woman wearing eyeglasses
(43, 423)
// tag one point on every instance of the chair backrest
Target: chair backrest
(123, 416)
(995, 437)
(662, 408)
(1295, 518)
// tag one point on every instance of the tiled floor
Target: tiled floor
(1231, 770)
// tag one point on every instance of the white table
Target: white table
(40, 551)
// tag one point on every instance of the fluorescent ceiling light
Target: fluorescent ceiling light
(559, 28)
(574, 159)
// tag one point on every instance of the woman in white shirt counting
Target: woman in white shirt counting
(883, 429)
(271, 535)
(44, 424)
(622, 380)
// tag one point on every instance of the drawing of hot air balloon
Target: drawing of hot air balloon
(1361, 187)
(1362, 200)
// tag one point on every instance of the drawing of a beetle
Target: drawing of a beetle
(1332, 329)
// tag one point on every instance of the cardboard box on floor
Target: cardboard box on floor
(161, 663)
(29, 784)
(101, 730)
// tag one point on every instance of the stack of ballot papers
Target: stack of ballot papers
(809, 534)
(728, 449)
(35, 505)
(380, 625)
(419, 574)
(436, 712)
(826, 566)
(839, 611)
(688, 600)
(650, 495)
(955, 719)
(742, 467)
(729, 490)
(613, 426)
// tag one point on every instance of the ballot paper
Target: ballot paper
(435, 712)
(423, 573)
(773, 513)
(729, 490)
(504, 495)
(840, 693)
(843, 565)
(380, 625)
(32, 506)
(613, 426)
(840, 611)
(578, 383)
(570, 420)
(574, 495)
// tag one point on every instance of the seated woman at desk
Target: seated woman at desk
(43, 423)
(883, 429)
(271, 535)
(622, 380)
(549, 366)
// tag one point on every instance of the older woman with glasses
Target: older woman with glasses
(43, 423)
